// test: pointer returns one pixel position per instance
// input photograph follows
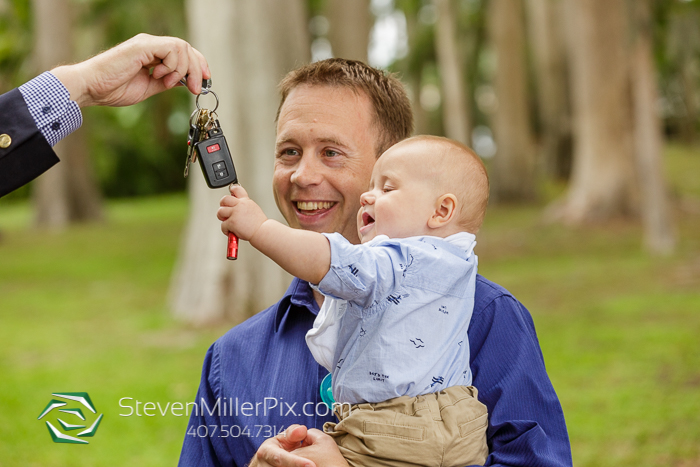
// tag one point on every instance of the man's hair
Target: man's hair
(392, 109)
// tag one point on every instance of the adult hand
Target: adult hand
(321, 449)
(276, 451)
(122, 75)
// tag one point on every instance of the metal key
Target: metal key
(200, 122)
(206, 141)
(192, 138)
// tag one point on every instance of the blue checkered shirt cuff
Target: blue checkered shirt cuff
(48, 101)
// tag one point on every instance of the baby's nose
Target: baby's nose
(366, 198)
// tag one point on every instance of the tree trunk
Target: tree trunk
(412, 73)
(659, 232)
(513, 170)
(249, 46)
(67, 192)
(603, 183)
(455, 110)
(547, 38)
(683, 45)
(350, 26)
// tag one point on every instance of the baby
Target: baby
(393, 326)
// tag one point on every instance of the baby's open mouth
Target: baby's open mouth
(367, 219)
(310, 208)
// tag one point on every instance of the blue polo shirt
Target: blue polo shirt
(260, 378)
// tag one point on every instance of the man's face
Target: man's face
(326, 148)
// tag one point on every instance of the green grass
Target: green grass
(86, 310)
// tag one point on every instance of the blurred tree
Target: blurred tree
(137, 150)
(603, 183)
(350, 25)
(655, 209)
(513, 167)
(249, 46)
(684, 44)
(545, 29)
(455, 89)
(421, 57)
(68, 191)
(15, 43)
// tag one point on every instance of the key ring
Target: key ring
(206, 84)
(215, 97)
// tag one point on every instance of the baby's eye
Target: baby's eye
(387, 189)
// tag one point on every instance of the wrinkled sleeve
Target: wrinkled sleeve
(48, 101)
(206, 451)
(363, 274)
(526, 422)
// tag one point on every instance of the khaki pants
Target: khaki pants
(446, 428)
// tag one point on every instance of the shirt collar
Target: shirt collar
(298, 295)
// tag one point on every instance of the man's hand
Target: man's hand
(299, 447)
(321, 449)
(122, 75)
(240, 214)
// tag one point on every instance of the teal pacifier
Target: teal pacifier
(327, 391)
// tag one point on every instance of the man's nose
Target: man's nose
(307, 172)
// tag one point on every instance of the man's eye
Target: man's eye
(289, 152)
(331, 153)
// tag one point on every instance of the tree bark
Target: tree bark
(249, 46)
(455, 109)
(412, 72)
(603, 182)
(513, 170)
(350, 26)
(685, 43)
(68, 192)
(659, 231)
(547, 38)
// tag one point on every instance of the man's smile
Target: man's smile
(310, 213)
(313, 207)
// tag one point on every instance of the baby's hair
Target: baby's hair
(466, 178)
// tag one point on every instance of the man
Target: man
(41, 112)
(260, 380)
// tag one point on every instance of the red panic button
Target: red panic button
(213, 148)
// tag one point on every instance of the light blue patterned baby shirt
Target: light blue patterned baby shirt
(395, 318)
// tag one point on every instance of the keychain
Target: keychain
(206, 142)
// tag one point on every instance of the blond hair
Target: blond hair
(392, 109)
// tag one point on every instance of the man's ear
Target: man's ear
(445, 211)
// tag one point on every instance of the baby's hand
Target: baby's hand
(240, 214)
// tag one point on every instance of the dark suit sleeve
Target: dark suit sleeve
(29, 155)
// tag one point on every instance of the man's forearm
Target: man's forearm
(302, 253)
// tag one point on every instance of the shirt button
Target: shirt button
(55, 126)
(5, 141)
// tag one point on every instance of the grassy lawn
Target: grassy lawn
(86, 310)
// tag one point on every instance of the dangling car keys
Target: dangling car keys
(207, 143)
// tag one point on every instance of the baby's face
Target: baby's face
(400, 201)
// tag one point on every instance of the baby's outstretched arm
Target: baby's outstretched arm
(302, 253)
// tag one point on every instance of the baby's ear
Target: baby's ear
(445, 211)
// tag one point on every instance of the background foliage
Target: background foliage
(85, 309)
